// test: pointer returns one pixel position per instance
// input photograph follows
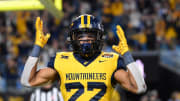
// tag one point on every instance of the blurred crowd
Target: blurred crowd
(153, 95)
(149, 25)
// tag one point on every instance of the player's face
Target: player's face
(86, 38)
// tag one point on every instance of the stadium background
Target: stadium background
(151, 26)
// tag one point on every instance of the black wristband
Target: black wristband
(127, 57)
(36, 51)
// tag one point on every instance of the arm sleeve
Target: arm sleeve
(133, 67)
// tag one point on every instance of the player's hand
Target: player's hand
(122, 46)
(41, 39)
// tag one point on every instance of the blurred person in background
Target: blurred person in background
(11, 73)
(2, 77)
(152, 95)
(144, 98)
(175, 96)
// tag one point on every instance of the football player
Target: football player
(87, 73)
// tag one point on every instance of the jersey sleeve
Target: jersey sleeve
(120, 64)
(51, 62)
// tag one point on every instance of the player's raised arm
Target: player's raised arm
(30, 76)
(132, 80)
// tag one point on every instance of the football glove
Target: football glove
(41, 39)
(122, 46)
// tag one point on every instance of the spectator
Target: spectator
(175, 96)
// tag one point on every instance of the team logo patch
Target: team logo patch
(86, 62)
(64, 57)
(107, 55)
(100, 61)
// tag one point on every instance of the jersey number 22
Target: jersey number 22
(91, 86)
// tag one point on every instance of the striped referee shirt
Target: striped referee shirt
(50, 95)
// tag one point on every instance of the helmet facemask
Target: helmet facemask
(87, 43)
